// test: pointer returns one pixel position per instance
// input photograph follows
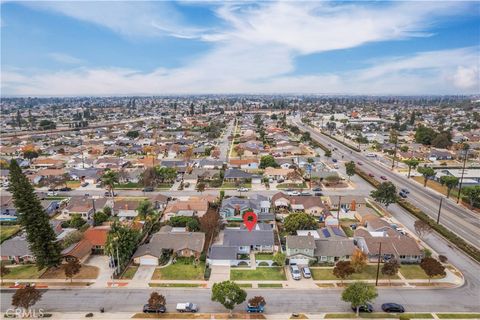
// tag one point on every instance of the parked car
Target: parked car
(295, 271)
(317, 189)
(108, 194)
(293, 193)
(371, 175)
(52, 193)
(365, 308)
(187, 307)
(98, 185)
(148, 309)
(65, 189)
(393, 307)
(405, 191)
(402, 194)
(242, 189)
(318, 194)
(148, 189)
(258, 309)
(305, 194)
(334, 160)
(306, 272)
(359, 163)
(383, 177)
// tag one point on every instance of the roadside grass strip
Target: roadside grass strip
(197, 316)
(177, 285)
(379, 315)
(270, 285)
(458, 315)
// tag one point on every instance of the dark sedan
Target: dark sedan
(150, 309)
(365, 308)
(393, 307)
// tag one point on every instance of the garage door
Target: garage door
(299, 261)
(148, 261)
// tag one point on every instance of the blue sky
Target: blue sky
(135, 47)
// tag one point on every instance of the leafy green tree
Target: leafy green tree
(299, 221)
(390, 268)
(425, 135)
(31, 215)
(77, 221)
(279, 258)
(229, 294)
(358, 294)
(109, 179)
(47, 125)
(411, 163)
(450, 182)
(133, 134)
(268, 161)
(328, 153)
(145, 209)
(201, 187)
(72, 268)
(99, 218)
(350, 169)
(442, 140)
(30, 154)
(472, 195)
(386, 193)
(192, 223)
(427, 173)
(121, 239)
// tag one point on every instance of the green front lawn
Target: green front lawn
(233, 185)
(175, 285)
(370, 272)
(264, 256)
(130, 272)
(29, 271)
(261, 273)
(414, 271)
(378, 315)
(458, 315)
(128, 185)
(181, 270)
(8, 231)
(292, 185)
(270, 285)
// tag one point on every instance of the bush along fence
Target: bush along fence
(449, 235)
(340, 141)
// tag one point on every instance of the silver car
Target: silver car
(295, 271)
(306, 272)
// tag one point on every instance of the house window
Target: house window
(323, 258)
(402, 257)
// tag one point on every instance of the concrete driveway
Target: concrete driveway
(104, 272)
(219, 274)
(142, 277)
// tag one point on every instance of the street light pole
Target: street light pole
(378, 263)
(465, 149)
(439, 210)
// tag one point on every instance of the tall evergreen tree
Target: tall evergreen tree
(40, 235)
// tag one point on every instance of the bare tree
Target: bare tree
(71, 269)
(26, 297)
(422, 228)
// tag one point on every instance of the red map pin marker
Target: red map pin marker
(250, 220)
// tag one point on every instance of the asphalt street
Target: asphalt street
(460, 220)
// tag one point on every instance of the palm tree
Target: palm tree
(110, 178)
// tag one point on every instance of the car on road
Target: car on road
(83, 185)
(318, 194)
(65, 189)
(305, 194)
(365, 308)
(255, 309)
(150, 309)
(334, 160)
(306, 272)
(371, 155)
(383, 177)
(402, 194)
(289, 189)
(371, 175)
(405, 191)
(293, 193)
(52, 193)
(187, 307)
(148, 189)
(295, 271)
(109, 194)
(242, 189)
(317, 189)
(359, 163)
(393, 307)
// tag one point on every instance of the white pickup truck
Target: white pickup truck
(187, 307)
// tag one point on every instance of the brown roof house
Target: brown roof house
(182, 243)
(94, 240)
(85, 207)
(191, 207)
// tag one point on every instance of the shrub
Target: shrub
(243, 263)
(263, 264)
(404, 317)
(203, 257)
(89, 315)
(207, 273)
(442, 258)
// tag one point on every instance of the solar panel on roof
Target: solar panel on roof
(337, 231)
(326, 233)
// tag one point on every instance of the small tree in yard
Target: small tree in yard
(432, 268)
(26, 297)
(71, 269)
(257, 301)
(390, 268)
(229, 294)
(279, 258)
(3, 272)
(427, 173)
(411, 163)
(350, 169)
(386, 193)
(422, 228)
(156, 300)
(359, 260)
(201, 187)
(343, 269)
(358, 294)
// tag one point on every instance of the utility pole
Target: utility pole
(439, 210)
(338, 212)
(465, 149)
(378, 263)
(395, 152)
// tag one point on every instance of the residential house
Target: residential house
(93, 242)
(244, 164)
(277, 173)
(300, 249)
(176, 240)
(190, 207)
(309, 204)
(84, 206)
(16, 250)
(126, 209)
(234, 207)
(234, 175)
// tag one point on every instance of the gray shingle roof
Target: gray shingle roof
(173, 241)
(220, 252)
(242, 237)
(15, 247)
(300, 242)
(334, 248)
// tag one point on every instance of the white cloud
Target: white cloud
(65, 58)
(256, 52)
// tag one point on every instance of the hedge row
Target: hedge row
(452, 237)
(345, 144)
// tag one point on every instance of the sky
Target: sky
(104, 48)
